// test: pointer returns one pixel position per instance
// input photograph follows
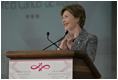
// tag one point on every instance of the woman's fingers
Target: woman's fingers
(70, 36)
(63, 44)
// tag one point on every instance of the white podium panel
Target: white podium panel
(41, 69)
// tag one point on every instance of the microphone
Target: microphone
(51, 41)
(56, 41)
(66, 33)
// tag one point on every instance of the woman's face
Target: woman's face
(69, 21)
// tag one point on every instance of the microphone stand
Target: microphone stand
(52, 42)
(56, 41)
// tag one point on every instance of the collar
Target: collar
(82, 34)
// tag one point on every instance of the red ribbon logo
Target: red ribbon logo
(40, 67)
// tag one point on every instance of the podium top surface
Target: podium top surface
(46, 53)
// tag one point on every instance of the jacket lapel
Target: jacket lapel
(79, 40)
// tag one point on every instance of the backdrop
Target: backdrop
(24, 26)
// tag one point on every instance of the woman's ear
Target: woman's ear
(77, 19)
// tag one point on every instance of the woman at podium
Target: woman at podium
(73, 19)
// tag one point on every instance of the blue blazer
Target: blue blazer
(85, 42)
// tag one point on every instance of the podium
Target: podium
(82, 66)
